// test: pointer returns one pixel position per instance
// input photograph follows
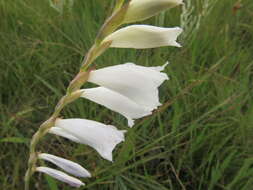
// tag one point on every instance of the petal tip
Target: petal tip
(130, 122)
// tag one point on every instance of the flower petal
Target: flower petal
(60, 176)
(116, 102)
(144, 36)
(61, 132)
(137, 83)
(67, 165)
(103, 138)
(142, 9)
(160, 68)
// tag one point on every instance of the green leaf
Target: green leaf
(59, 5)
(53, 89)
(15, 140)
(51, 183)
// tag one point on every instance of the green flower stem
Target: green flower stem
(73, 92)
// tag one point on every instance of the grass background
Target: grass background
(201, 139)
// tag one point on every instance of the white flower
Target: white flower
(144, 36)
(103, 138)
(116, 102)
(142, 9)
(61, 132)
(67, 165)
(60, 176)
(129, 89)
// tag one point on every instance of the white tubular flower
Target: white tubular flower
(67, 165)
(144, 36)
(61, 132)
(103, 138)
(142, 9)
(132, 90)
(116, 102)
(60, 176)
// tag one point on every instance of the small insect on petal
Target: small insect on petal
(74, 182)
(67, 165)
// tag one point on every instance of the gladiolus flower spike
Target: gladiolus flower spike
(128, 89)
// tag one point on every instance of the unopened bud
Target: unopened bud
(139, 10)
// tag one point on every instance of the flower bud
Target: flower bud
(139, 10)
(67, 165)
(61, 176)
(144, 36)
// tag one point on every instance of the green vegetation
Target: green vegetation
(200, 139)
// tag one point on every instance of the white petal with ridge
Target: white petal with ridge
(67, 165)
(60, 176)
